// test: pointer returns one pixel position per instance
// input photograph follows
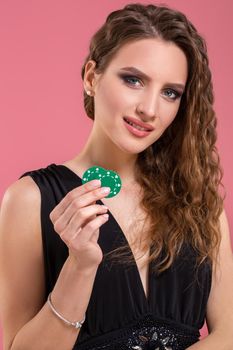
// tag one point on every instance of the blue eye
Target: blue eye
(132, 80)
(129, 78)
(175, 93)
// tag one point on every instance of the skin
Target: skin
(75, 220)
(110, 144)
(163, 62)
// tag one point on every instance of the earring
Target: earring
(89, 92)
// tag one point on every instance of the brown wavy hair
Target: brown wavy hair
(180, 173)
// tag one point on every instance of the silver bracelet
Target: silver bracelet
(77, 324)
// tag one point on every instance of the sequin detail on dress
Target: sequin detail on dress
(147, 334)
(154, 339)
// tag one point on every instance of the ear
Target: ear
(90, 77)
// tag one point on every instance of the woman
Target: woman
(148, 274)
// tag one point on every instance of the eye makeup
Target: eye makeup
(128, 79)
(141, 75)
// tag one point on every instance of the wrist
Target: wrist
(75, 324)
(75, 266)
(72, 291)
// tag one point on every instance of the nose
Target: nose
(148, 105)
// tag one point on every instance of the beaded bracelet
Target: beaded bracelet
(77, 324)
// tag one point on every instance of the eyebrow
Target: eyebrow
(146, 77)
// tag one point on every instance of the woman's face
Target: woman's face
(124, 92)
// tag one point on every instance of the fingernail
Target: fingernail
(105, 189)
(105, 216)
(96, 183)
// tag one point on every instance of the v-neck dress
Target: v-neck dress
(119, 316)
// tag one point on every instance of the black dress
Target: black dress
(119, 315)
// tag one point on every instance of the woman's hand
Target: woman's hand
(77, 222)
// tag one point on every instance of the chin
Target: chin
(132, 150)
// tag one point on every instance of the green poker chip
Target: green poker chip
(108, 178)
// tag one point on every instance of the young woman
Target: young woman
(147, 275)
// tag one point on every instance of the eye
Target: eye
(176, 94)
(130, 79)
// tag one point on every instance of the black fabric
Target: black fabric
(119, 316)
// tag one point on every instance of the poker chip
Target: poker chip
(108, 178)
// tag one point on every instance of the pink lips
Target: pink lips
(136, 132)
(139, 123)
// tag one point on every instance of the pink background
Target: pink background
(43, 45)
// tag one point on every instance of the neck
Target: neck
(103, 152)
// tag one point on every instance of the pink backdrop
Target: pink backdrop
(43, 45)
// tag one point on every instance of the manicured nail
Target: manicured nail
(95, 183)
(105, 189)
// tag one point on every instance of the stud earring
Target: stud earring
(89, 92)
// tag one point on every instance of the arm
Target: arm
(220, 304)
(28, 322)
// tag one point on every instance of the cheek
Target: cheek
(166, 121)
(168, 115)
(109, 101)
(112, 98)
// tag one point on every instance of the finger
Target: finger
(94, 238)
(73, 194)
(90, 229)
(88, 198)
(78, 203)
(67, 228)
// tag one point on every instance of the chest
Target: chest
(131, 219)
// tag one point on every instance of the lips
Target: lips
(139, 123)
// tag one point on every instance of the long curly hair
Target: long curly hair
(180, 173)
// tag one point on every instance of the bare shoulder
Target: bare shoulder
(22, 189)
(20, 206)
(21, 256)
(220, 303)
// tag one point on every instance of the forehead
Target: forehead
(154, 57)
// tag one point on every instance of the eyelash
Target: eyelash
(128, 77)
